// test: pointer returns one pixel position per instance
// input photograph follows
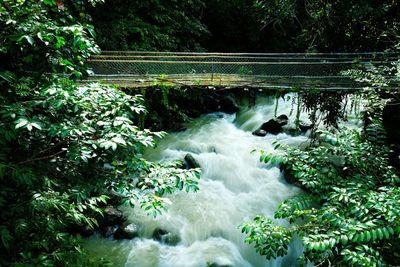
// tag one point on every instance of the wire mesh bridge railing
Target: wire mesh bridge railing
(262, 70)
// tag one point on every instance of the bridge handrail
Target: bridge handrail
(243, 54)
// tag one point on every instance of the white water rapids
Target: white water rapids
(234, 187)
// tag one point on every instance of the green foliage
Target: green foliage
(269, 240)
(325, 106)
(160, 180)
(150, 25)
(165, 86)
(62, 142)
(65, 146)
(261, 25)
(276, 12)
(331, 25)
(350, 215)
(39, 36)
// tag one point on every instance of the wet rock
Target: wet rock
(166, 237)
(228, 104)
(282, 119)
(127, 231)
(259, 132)
(182, 164)
(158, 233)
(171, 239)
(80, 229)
(212, 149)
(274, 126)
(109, 230)
(86, 231)
(211, 103)
(191, 163)
(115, 198)
(112, 216)
(305, 127)
(291, 131)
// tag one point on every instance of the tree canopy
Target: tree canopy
(248, 25)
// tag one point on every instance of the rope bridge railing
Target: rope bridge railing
(131, 68)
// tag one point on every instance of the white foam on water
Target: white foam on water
(234, 187)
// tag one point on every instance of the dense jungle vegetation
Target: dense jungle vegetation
(247, 25)
(69, 149)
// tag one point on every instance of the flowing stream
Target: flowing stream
(234, 187)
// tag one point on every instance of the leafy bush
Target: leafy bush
(349, 215)
(65, 146)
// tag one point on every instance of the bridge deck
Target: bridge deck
(261, 70)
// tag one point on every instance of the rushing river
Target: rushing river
(234, 187)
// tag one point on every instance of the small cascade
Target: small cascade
(234, 187)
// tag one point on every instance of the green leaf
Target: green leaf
(29, 39)
(60, 41)
(7, 76)
(21, 123)
(368, 236)
(344, 239)
(49, 2)
(374, 236)
(119, 140)
(380, 233)
(36, 125)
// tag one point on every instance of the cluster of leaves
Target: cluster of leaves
(326, 106)
(349, 216)
(275, 12)
(64, 145)
(332, 25)
(150, 25)
(160, 180)
(382, 80)
(33, 42)
(262, 25)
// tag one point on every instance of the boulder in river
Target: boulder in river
(115, 198)
(274, 126)
(211, 103)
(282, 119)
(305, 127)
(191, 163)
(166, 237)
(81, 229)
(109, 230)
(228, 104)
(259, 132)
(112, 216)
(127, 231)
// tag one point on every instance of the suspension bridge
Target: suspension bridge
(259, 70)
